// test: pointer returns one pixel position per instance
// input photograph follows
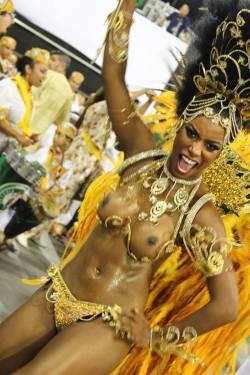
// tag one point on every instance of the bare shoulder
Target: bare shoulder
(209, 217)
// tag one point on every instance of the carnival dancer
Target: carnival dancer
(152, 256)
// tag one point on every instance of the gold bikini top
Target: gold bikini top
(168, 198)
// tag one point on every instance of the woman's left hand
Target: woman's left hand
(136, 328)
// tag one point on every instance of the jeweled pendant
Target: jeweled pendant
(152, 199)
(181, 197)
(159, 186)
(158, 210)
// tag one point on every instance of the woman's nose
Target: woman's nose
(195, 148)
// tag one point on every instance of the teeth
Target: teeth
(188, 161)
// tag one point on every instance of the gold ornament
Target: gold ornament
(225, 100)
(159, 186)
(181, 197)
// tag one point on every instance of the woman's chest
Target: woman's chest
(149, 213)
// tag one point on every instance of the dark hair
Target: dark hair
(215, 11)
(96, 97)
(22, 62)
(65, 59)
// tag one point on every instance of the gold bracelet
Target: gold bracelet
(169, 340)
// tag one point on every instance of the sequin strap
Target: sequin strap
(139, 157)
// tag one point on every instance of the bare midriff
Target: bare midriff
(103, 273)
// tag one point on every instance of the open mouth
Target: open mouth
(185, 165)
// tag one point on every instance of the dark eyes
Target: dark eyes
(212, 147)
(191, 133)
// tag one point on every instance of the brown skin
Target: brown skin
(184, 10)
(201, 141)
(6, 20)
(36, 75)
(62, 141)
(103, 272)
(6, 51)
(75, 85)
(56, 64)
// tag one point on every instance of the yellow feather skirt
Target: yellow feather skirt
(177, 290)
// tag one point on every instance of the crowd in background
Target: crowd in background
(54, 141)
(175, 16)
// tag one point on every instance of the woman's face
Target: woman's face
(196, 146)
(62, 141)
(6, 51)
(37, 74)
(6, 20)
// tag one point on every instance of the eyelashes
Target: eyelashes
(192, 134)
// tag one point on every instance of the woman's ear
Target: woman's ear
(27, 70)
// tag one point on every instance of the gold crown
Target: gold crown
(8, 41)
(223, 83)
(6, 6)
(38, 54)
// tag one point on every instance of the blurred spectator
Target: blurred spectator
(7, 15)
(59, 62)
(194, 6)
(15, 97)
(75, 80)
(53, 100)
(7, 48)
(179, 21)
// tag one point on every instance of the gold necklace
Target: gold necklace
(158, 186)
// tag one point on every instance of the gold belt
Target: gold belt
(69, 309)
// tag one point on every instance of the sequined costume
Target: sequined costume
(69, 310)
(179, 287)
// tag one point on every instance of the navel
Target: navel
(152, 240)
(98, 271)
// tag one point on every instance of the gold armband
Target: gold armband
(118, 35)
(206, 250)
(169, 340)
(132, 113)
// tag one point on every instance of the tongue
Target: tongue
(183, 166)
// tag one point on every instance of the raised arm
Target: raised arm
(132, 135)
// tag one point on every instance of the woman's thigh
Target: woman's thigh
(84, 348)
(25, 332)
